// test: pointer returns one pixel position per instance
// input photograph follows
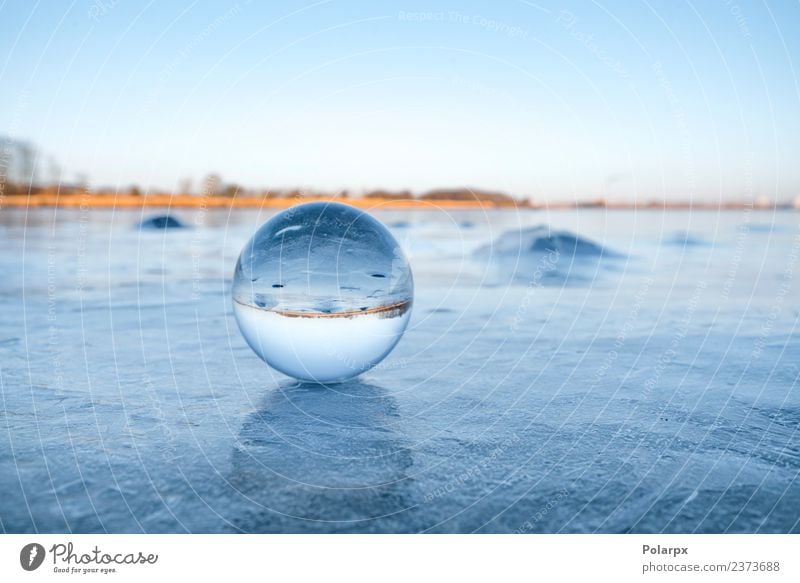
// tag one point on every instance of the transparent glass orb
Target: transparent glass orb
(322, 292)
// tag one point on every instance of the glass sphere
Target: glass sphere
(322, 292)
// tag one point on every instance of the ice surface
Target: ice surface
(657, 396)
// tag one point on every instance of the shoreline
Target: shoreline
(188, 201)
(105, 201)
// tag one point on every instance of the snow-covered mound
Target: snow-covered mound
(161, 222)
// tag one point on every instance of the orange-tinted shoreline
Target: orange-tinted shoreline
(185, 201)
(106, 201)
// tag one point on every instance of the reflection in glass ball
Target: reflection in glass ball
(322, 292)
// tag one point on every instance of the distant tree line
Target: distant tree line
(25, 171)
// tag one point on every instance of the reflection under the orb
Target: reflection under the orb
(318, 458)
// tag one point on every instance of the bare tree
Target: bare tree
(211, 185)
(26, 164)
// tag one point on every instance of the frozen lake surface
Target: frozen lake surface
(641, 378)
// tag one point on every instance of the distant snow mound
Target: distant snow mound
(158, 223)
(543, 256)
(685, 239)
(762, 228)
(541, 239)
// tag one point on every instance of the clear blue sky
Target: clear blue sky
(569, 100)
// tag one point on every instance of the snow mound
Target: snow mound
(543, 256)
(160, 222)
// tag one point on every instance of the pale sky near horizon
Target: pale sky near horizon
(656, 100)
